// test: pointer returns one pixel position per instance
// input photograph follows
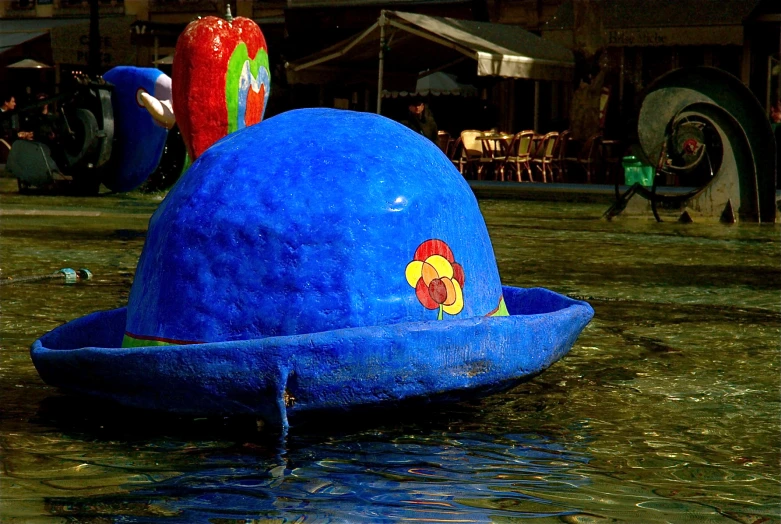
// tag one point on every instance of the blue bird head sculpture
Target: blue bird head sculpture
(142, 114)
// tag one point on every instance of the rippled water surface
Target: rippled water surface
(667, 409)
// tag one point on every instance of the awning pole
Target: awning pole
(382, 61)
(536, 106)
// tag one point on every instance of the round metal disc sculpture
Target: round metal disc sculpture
(321, 259)
(705, 127)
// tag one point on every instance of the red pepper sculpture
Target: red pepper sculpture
(220, 80)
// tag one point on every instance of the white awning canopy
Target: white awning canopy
(435, 84)
(415, 42)
(29, 63)
(10, 40)
(166, 60)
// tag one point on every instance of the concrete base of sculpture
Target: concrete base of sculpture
(275, 378)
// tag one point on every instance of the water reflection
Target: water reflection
(666, 410)
(407, 468)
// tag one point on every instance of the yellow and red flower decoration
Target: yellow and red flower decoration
(437, 278)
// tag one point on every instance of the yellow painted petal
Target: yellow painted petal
(429, 273)
(458, 305)
(451, 292)
(413, 272)
(441, 264)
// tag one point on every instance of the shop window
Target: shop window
(85, 3)
(690, 56)
(773, 81)
(656, 62)
(23, 4)
(728, 59)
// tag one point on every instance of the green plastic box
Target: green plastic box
(637, 171)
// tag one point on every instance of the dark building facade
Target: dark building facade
(627, 44)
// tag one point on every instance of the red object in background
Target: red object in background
(691, 146)
(199, 77)
(254, 111)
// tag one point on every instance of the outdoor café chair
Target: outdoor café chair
(5, 148)
(468, 154)
(519, 155)
(610, 153)
(589, 157)
(456, 157)
(495, 150)
(444, 142)
(562, 146)
(547, 155)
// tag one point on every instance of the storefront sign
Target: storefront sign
(635, 37)
(668, 36)
(650, 37)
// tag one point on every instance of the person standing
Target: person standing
(9, 125)
(9, 122)
(43, 125)
(421, 120)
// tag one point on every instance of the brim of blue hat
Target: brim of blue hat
(277, 377)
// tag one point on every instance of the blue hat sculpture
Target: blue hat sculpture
(139, 138)
(322, 259)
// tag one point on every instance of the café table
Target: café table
(495, 150)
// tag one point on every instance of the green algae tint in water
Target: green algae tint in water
(666, 410)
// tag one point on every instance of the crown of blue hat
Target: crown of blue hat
(312, 221)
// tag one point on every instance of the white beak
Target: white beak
(161, 110)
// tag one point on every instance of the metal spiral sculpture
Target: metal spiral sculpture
(705, 127)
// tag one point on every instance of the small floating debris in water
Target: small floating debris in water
(67, 274)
